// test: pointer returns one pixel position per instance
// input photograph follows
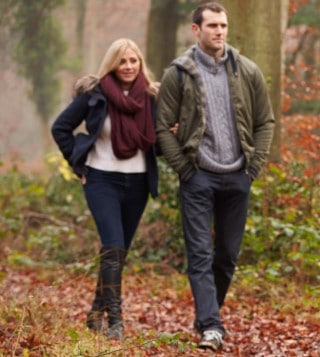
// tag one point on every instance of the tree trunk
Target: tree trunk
(47, 141)
(255, 28)
(162, 32)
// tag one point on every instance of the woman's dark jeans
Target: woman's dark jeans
(116, 201)
(221, 199)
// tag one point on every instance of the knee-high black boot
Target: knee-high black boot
(95, 316)
(108, 293)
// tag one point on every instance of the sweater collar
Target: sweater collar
(208, 63)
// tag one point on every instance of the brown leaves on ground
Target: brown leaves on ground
(43, 314)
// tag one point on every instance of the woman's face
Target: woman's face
(128, 68)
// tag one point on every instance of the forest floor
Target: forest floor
(43, 312)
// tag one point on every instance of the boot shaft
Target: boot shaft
(108, 292)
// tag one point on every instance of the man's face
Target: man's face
(212, 33)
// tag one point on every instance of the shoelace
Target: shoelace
(212, 335)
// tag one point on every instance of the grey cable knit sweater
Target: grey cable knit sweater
(219, 150)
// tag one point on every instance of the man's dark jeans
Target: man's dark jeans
(116, 201)
(222, 200)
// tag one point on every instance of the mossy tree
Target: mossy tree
(161, 39)
(255, 28)
(39, 53)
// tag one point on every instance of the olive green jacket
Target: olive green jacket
(182, 99)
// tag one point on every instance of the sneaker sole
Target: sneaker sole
(205, 345)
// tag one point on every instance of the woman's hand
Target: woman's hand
(174, 129)
(83, 180)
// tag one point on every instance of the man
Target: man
(225, 124)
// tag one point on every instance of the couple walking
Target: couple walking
(213, 122)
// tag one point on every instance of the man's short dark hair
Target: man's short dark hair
(212, 6)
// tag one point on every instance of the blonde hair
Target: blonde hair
(111, 61)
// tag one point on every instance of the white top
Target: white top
(102, 157)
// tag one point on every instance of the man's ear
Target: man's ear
(195, 29)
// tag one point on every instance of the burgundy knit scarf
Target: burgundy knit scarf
(131, 121)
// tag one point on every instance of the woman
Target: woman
(116, 161)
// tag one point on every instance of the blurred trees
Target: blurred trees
(6, 22)
(39, 52)
(256, 27)
(302, 65)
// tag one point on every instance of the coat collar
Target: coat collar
(96, 95)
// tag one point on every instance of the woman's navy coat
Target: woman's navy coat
(91, 107)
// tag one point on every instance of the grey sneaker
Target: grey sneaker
(211, 339)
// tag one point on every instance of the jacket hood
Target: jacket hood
(85, 84)
(186, 60)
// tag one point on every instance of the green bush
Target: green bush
(46, 220)
(283, 223)
(161, 236)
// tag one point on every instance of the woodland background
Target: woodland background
(48, 243)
